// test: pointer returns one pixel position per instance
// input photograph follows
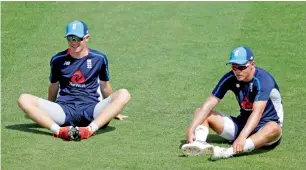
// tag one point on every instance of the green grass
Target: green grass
(169, 55)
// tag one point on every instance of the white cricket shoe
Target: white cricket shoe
(197, 148)
(221, 153)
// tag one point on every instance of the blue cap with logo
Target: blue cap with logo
(77, 28)
(241, 56)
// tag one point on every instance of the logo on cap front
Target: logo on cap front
(73, 26)
(236, 52)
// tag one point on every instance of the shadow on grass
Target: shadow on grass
(35, 128)
(29, 127)
(105, 130)
(216, 139)
(255, 152)
(211, 138)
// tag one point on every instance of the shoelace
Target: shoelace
(223, 150)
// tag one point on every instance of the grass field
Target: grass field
(169, 55)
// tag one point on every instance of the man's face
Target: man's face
(77, 44)
(243, 72)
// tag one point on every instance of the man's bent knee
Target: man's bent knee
(273, 132)
(124, 95)
(26, 99)
(213, 117)
(273, 129)
(223, 125)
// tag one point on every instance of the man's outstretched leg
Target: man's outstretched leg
(47, 114)
(268, 135)
(109, 108)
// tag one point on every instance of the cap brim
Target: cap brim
(239, 62)
(78, 35)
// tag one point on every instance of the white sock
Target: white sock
(55, 128)
(230, 150)
(201, 133)
(94, 127)
(249, 145)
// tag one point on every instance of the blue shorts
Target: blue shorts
(73, 113)
(78, 114)
(241, 123)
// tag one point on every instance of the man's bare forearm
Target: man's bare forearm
(207, 107)
(52, 91)
(254, 119)
(106, 89)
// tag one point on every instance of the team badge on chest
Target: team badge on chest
(89, 64)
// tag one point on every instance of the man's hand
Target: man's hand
(238, 145)
(190, 136)
(121, 117)
(201, 115)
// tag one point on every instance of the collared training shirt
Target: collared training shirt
(79, 78)
(261, 88)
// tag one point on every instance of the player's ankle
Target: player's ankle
(92, 127)
(90, 130)
(55, 129)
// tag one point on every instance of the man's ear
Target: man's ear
(253, 63)
(87, 37)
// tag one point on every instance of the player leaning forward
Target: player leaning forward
(261, 112)
(77, 72)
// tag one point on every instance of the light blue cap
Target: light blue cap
(77, 28)
(241, 56)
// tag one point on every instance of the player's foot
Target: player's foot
(82, 133)
(66, 133)
(221, 153)
(197, 148)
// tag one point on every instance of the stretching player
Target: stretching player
(78, 76)
(261, 112)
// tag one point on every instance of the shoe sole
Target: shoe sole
(74, 134)
(196, 151)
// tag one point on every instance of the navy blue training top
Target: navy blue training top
(261, 88)
(79, 78)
